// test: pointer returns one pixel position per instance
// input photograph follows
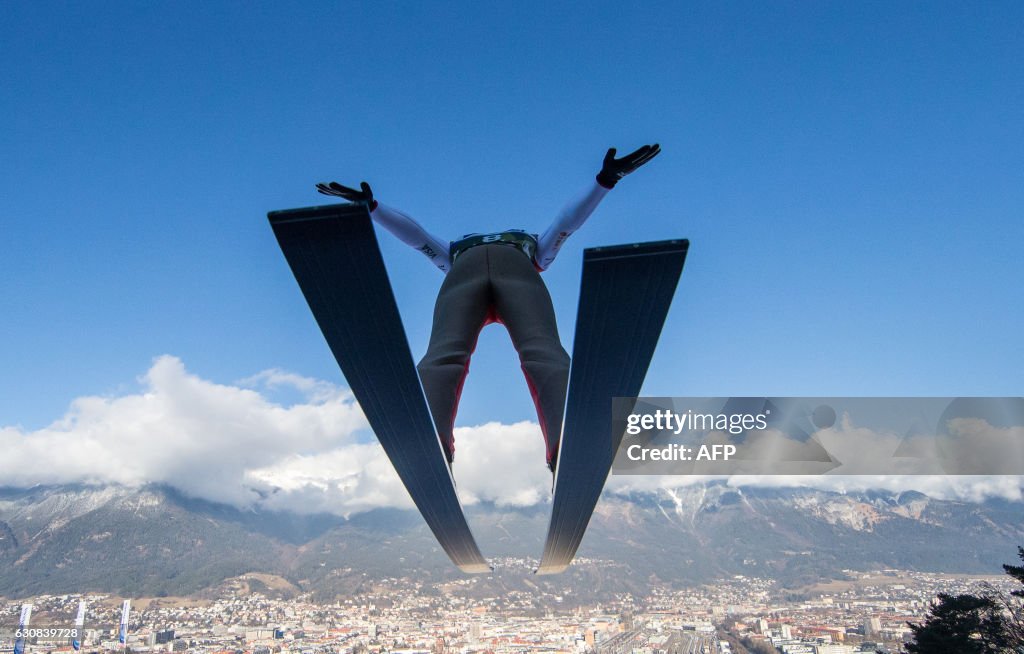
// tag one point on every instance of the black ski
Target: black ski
(624, 298)
(333, 253)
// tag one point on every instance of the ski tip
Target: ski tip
(550, 570)
(476, 568)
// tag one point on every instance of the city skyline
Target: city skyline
(401, 614)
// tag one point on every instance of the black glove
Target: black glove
(615, 169)
(350, 194)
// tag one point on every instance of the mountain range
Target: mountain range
(153, 541)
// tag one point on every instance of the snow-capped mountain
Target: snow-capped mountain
(154, 541)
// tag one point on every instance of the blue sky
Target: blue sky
(851, 176)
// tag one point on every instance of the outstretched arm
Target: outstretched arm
(574, 214)
(402, 226)
(569, 219)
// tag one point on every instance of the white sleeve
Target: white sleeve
(568, 220)
(411, 233)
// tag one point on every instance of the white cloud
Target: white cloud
(233, 444)
(503, 464)
(946, 487)
(200, 437)
(314, 389)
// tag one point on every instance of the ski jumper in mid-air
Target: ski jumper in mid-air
(496, 278)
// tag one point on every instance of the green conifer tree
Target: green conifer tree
(959, 624)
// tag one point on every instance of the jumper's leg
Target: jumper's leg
(460, 312)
